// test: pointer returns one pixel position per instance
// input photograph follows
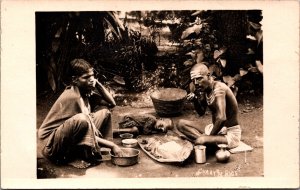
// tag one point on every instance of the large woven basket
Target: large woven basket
(168, 101)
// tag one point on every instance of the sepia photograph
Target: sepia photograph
(159, 93)
(149, 94)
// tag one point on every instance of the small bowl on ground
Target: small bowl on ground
(126, 136)
(130, 157)
(129, 143)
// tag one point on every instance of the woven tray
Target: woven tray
(165, 138)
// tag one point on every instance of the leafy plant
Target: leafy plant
(219, 39)
(62, 36)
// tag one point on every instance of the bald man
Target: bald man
(206, 92)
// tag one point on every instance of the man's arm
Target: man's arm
(198, 99)
(115, 148)
(106, 95)
(200, 104)
(220, 114)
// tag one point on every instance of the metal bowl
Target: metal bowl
(130, 158)
(129, 143)
(126, 136)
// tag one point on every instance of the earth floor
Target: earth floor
(240, 165)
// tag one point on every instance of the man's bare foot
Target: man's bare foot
(91, 156)
(81, 164)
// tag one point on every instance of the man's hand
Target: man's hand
(190, 96)
(117, 151)
(94, 80)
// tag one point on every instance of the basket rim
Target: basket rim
(177, 100)
(180, 99)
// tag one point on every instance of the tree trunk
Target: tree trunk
(232, 26)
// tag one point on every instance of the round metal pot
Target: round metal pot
(130, 158)
(222, 155)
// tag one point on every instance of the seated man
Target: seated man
(77, 123)
(219, 98)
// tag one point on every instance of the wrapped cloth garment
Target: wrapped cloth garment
(232, 134)
(70, 123)
(89, 139)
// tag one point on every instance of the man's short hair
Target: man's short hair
(79, 67)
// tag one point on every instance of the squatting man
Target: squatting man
(205, 92)
(78, 122)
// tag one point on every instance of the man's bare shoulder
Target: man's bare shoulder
(221, 85)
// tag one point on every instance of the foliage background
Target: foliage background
(147, 49)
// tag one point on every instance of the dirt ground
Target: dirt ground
(240, 165)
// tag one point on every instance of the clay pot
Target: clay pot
(222, 155)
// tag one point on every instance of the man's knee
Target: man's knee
(107, 113)
(82, 121)
(103, 113)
